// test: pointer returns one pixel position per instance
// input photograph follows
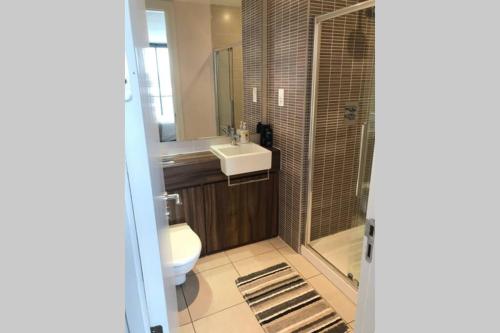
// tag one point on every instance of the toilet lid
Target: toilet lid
(185, 245)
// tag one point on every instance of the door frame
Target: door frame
(365, 309)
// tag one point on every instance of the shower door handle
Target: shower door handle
(359, 182)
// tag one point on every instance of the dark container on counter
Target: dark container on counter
(266, 134)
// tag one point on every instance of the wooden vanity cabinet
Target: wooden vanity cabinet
(223, 216)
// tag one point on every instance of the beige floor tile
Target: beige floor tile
(211, 291)
(253, 264)
(249, 250)
(186, 328)
(182, 310)
(345, 308)
(211, 261)
(238, 318)
(277, 242)
(301, 264)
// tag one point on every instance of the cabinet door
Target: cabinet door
(239, 215)
(191, 211)
(262, 200)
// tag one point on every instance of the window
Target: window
(157, 63)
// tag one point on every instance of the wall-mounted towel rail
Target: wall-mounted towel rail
(248, 181)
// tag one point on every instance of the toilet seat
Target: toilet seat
(185, 245)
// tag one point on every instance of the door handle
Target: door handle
(370, 237)
(359, 181)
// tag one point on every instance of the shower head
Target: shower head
(370, 12)
(356, 41)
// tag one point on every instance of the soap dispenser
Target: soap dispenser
(244, 134)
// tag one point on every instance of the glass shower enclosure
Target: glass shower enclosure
(342, 136)
(228, 77)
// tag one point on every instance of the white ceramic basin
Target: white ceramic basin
(243, 158)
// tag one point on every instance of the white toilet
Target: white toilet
(185, 246)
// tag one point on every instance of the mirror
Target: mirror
(195, 66)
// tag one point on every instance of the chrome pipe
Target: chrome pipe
(174, 196)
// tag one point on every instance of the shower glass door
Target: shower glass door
(223, 88)
(228, 70)
(342, 136)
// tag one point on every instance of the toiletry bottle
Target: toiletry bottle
(266, 136)
(244, 134)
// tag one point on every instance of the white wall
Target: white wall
(190, 44)
(194, 54)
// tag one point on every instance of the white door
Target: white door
(142, 154)
(365, 308)
(136, 309)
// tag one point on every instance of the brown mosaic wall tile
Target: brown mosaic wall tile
(252, 29)
(287, 52)
(343, 78)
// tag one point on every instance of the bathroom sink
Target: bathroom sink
(242, 158)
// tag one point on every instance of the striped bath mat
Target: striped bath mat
(283, 302)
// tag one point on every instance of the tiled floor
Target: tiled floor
(210, 302)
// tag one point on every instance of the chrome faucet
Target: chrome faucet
(234, 136)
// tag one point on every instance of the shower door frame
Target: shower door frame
(216, 52)
(345, 283)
